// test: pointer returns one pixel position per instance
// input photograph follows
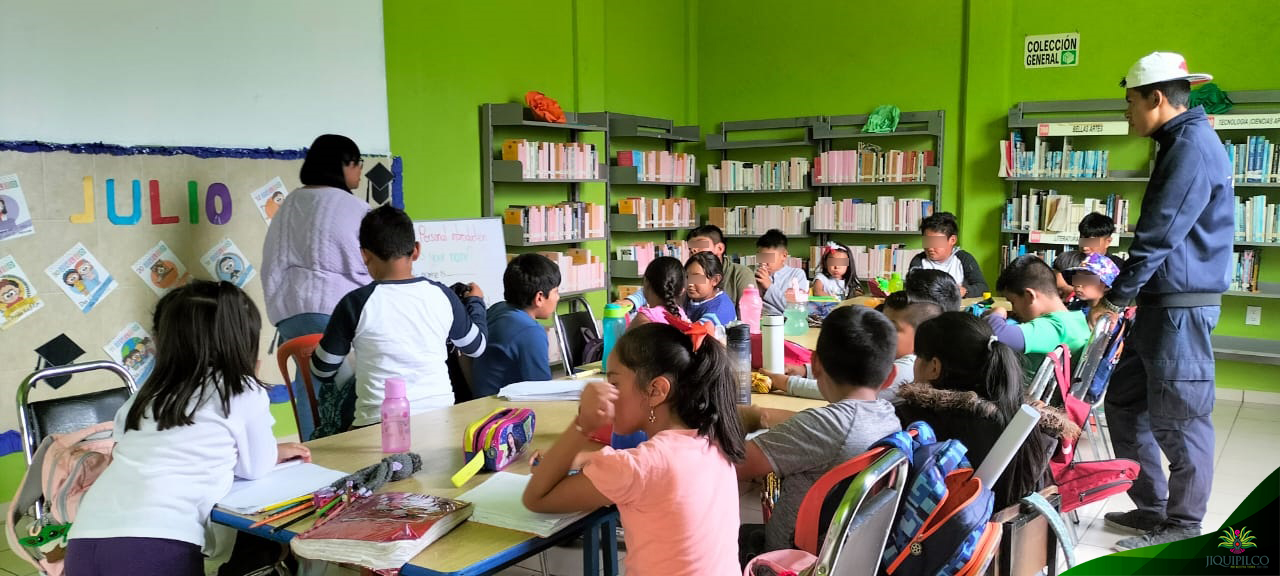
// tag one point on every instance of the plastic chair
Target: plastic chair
(300, 350)
(572, 329)
(41, 418)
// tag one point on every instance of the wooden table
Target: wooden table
(471, 548)
(783, 402)
(810, 339)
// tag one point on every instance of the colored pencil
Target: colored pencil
(332, 513)
(286, 503)
(288, 512)
(294, 520)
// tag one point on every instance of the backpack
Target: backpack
(1109, 358)
(592, 346)
(943, 520)
(1081, 483)
(61, 471)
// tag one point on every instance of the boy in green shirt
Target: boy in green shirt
(1030, 285)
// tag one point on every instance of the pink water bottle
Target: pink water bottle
(395, 417)
(750, 307)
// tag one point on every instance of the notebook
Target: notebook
(288, 480)
(543, 391)
(383, 531)
(498, 502)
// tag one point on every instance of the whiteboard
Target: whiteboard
(465, 250)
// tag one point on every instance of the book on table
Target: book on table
(383, 531)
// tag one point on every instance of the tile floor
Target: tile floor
(1247, 449)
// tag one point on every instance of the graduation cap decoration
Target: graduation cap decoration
(379, 183)
(57, 352)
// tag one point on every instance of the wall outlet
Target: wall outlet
(1253, 315)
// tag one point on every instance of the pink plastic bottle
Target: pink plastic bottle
(395, 417)
(750, 307)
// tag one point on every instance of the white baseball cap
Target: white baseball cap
(1161, 67)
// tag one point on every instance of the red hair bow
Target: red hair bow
(696, 331)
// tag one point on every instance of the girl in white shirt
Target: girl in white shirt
(836, 277)
(200, 420)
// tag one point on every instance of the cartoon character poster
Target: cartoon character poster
(268, 198)
(15, 218)
(161, 269)
(133, 348)
(82, 278)
(227, 263)
(17, 296)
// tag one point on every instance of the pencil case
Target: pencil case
(494, 442)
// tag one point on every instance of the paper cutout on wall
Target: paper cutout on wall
(379, 183)
(17, 295)
(15, 217)
(59, 351)
(227, 263)
(133, 348)
(161, 269)
(268, 198)
(82, 277)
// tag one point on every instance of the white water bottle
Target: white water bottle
(771, 344)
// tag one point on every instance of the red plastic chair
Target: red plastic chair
(300, 349)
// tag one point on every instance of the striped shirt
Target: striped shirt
(398, 329)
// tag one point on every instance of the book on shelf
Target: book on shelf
(887, 213)
(1245, 266)
(660, 165)
(1048, 211)
(553, 160)
(792, 261)
(566, 221)
(661, 212)
(580, 270)
(382, 531)
(1257, 160)
(1042, 161)
(642, 253)
(756, 220)
(734, 175)
(880, 259)
(869, 164)
(1256, 220)
(1014, 249)
(626, 290)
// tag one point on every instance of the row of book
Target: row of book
(881, 259)
(887, 213)
(869, 164)
(642, 253)
(1048, 211)
(660, 212)
(1257, 160)
(1256, 220)
(553, 160)
(1244, 270)
(1012, 250)
(1042, 162)
(733, 175)
(792, 261)
(580, 270)
(661, 166)
(756, 220)
(566, 221)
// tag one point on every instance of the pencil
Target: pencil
(332, 513)
(286, 503)
(294, 520)
(288, 512)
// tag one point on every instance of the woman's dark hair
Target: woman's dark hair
(326, 158)
(710, 264)
(852, 285)
(206, 335)
(942, 222)
(665, 276)
(703, 384)
(972, 360)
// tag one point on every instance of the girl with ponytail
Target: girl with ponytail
(664, 286)
(677, 491)
(968, 387)
(200, 420)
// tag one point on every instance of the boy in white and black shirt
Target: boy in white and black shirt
(398, 326)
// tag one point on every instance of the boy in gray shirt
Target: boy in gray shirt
(853, 360)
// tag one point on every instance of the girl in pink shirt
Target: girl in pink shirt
(664, 286)
(677, 492)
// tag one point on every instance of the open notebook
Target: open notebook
(288, 480)
(498, 502)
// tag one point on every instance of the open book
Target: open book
(382, 531)
(289, 479)
(499, 502)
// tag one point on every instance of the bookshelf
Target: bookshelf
(513, 120)
(649, 134)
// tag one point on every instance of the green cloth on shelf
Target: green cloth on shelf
(1214, 100)
(883, 119)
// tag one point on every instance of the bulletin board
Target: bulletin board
(89, 243)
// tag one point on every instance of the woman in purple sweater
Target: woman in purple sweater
(311, 258)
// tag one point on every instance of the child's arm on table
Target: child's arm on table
(551, 489)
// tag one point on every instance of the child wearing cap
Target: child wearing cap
(1091, 279)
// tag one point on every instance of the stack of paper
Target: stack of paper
(498, 502)
(543, 391)
(289, 480)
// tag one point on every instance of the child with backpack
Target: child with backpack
(198, 422)
(676, 492)
(968, 387)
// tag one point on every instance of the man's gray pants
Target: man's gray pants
(1161, 399)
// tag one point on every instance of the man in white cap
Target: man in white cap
(1162, 391)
